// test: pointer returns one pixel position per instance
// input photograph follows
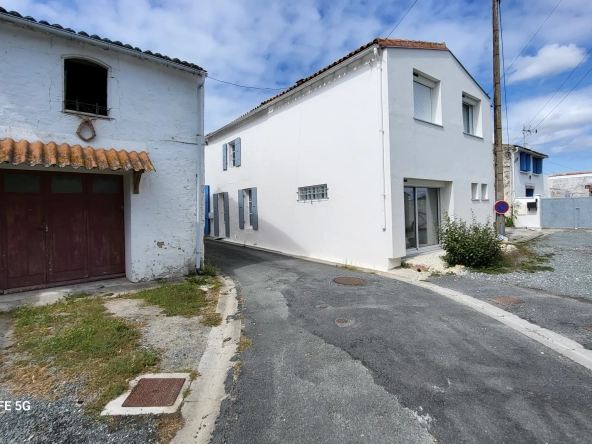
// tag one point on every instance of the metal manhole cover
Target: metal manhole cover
(155, 392)
(341, 322)
(349, 281)
(506, 300)
(588, 327)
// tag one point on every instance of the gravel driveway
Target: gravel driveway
(559, 300)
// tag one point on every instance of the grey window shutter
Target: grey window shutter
(422, 100)
(216, 217)
(237, 151)
(255, 208)
(226, 215)
(224, 157)
(241, 209)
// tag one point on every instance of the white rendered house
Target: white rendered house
(101, 159)
(358, 162)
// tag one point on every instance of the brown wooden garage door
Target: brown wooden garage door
(58, 228)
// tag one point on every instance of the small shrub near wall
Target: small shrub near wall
(472, 244)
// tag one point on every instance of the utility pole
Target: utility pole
(497, 119)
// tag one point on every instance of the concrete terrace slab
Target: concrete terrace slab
(115, 407)
(105, 287)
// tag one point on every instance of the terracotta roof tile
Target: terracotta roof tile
(50, 154)
(96, 37)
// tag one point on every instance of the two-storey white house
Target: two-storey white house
(358, 162)
(101, 158)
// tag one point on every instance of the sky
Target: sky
(272, 44)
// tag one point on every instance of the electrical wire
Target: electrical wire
(526, 46)
(504, 79)
(575, 86)
(562, 166)
(249, 87)
(393, 30)
(557, 90)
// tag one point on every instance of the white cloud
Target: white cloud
(550, 60)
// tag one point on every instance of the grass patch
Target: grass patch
(211, 319)
(73, 339)
(209, 269)
(168, 426)
(237, 369)
(186, 299)
(349, 267)
(523, 259)
(405, 265)
(243, 344)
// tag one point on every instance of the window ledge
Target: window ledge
(425, 121)
(473, 135)
(80, 113)
(525, 172)
(485, 200)
(475, 200)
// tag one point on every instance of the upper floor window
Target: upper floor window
(85, 87)
(425, 98)
(231, 153)
(470, 114)
(537, 165)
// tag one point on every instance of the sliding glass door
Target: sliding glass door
(421, 217)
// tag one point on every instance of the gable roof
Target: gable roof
(378, 42)
(59, 29)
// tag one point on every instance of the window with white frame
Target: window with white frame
(314, 192)
(469, 114)
(484, 192)
(247, 208)
(231, 154)
(424, 97)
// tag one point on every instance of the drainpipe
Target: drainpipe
(200, 176)
(381, 138)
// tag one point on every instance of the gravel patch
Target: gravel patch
(182, 340)
(64, 421)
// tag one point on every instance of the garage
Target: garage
(58, 228)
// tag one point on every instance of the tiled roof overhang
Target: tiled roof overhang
(84, 35)
(52, 154)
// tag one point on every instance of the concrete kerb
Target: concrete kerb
(561, 344)
(202, 405)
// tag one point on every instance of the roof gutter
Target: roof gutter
(73, 36)
(294, 91)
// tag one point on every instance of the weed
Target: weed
(185, 299)
(349, 267)
(243, 344)
(80, 295)
(209, 269)
(211, 319)
(168, 426)
(405, 265)
(237, 369)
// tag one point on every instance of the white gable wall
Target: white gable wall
(153, 109)
(425, 151)
(328, 134)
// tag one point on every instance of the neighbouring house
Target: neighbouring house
(524, 184)
(576, 184)
(358, 162)
(101, 158)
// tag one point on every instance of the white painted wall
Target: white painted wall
(150, 104)
(423, 151)
(327, 133)
(525, 218)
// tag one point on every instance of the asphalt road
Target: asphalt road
(409, 365)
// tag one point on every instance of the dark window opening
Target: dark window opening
(529, 192)
(86, 87)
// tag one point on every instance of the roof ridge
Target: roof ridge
(104, 40)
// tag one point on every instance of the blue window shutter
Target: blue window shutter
(224, 157)
(241, 209)
(207, 209)
(528, 157)
(216, 216)
(226, 215)
(237, 152)
(255, 209)
(522, 161)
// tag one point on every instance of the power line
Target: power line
(543, 24)
(575, 86)
(393, 30)
(562, 166)
(557, 90)
(249, 87)
(504, 68)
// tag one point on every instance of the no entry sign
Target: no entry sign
(501, 207)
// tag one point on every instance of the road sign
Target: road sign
(501, 207)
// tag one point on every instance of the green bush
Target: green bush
(471, 244)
